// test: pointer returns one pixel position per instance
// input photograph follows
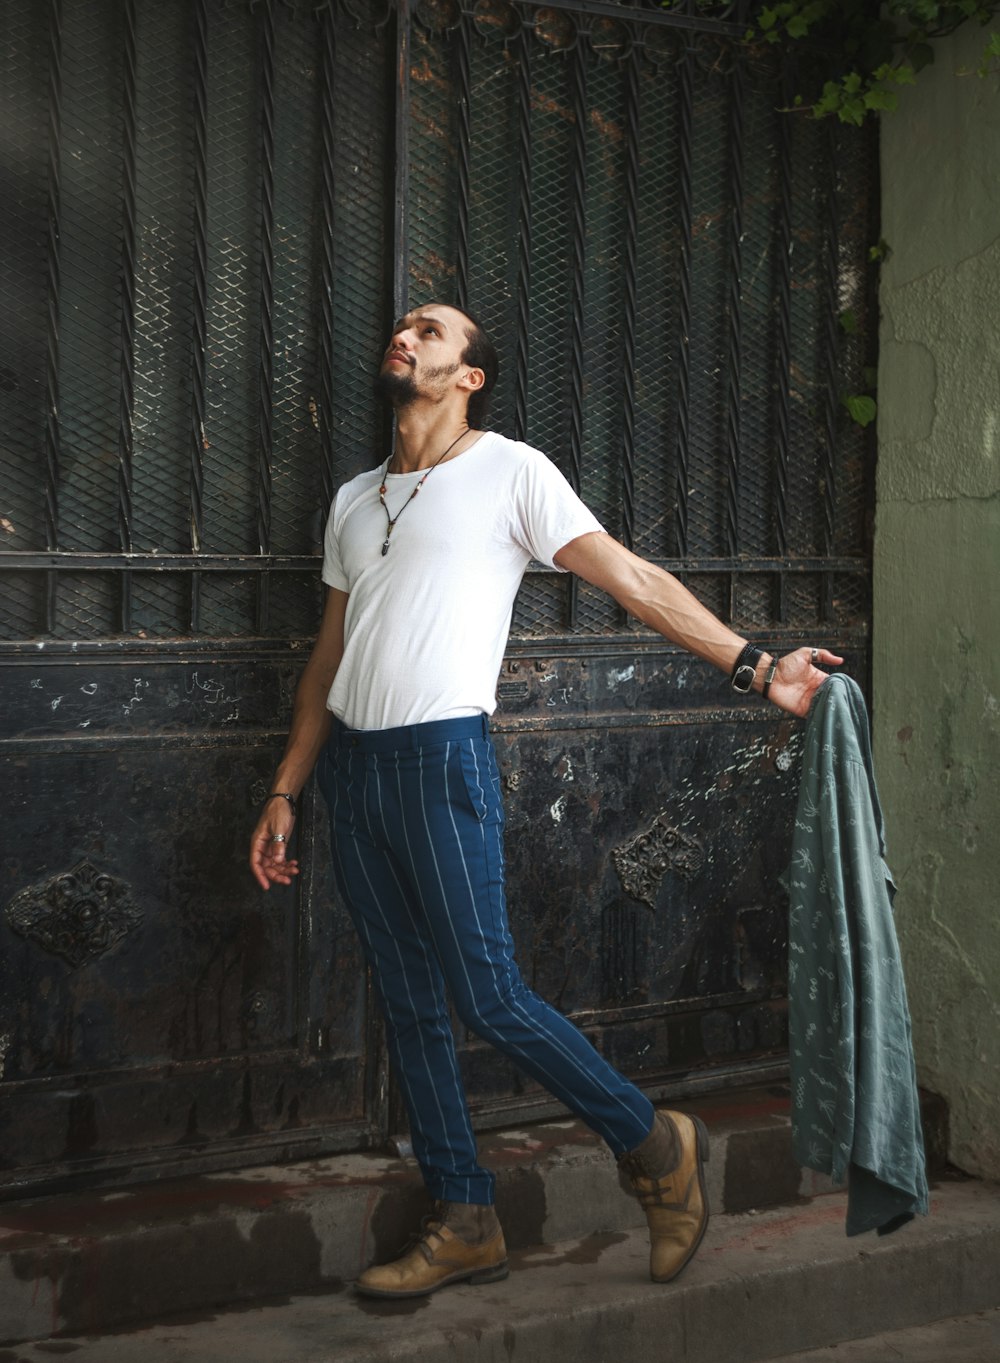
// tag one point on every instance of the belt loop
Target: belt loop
(486, 724)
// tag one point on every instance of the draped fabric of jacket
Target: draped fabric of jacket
(855, 1109)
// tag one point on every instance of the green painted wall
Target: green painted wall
(937, 579)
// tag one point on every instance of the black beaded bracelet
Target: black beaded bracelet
(282, 795)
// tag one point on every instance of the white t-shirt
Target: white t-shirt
(427, 623)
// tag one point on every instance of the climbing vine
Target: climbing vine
(858, 53)
(862, 51)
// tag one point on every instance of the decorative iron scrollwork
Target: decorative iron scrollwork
(78, 915)
(644, 860)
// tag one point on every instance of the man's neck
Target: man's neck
(423, 435)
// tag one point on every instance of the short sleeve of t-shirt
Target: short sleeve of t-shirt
(333, 568)
(547, 512)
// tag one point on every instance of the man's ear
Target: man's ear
(472, 380)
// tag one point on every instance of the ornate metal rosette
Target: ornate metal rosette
(79, 915)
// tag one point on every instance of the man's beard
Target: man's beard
(401, 390)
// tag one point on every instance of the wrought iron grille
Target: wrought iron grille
(213, 209)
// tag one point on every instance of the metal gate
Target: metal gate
(211, 212)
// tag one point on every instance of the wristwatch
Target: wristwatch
(745, 669)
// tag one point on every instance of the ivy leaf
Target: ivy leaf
(921, 55)
(852, 111)
(990, 53)
(849, 323)
(882, 100)
(861, 408)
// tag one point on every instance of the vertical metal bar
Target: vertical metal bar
(734, 339)
(328, 52)
(126, 388)
(401, 224)
(524, 159)
(578, 257)
(685, 209)
(265, 348)
(831, 366)
(199, 339)
(52, 262)
(630, 287)
(463, 96)
(783, 337)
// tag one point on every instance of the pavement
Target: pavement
(766, 1285)
(258, 1263)
(960, 1339)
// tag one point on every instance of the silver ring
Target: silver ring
(813, 656)
(278, 837)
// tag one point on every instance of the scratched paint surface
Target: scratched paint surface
(195, 337)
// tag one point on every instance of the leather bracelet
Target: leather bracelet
(769, 676)
(282, 795)
(746, 653)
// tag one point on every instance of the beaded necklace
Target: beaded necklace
(391, 520)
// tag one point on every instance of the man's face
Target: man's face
(424, 352)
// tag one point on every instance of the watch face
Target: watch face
(743, 678)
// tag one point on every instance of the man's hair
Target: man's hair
(480, 353)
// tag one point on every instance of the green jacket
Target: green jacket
(855, 1110)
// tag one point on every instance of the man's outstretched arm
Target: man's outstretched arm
(309, 731)
(657, 599)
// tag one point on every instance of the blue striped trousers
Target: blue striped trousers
(417, 835)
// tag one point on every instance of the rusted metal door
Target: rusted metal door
(214, 210)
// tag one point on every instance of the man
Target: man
(393, 704)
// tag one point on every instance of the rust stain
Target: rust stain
(606, 127)
(546, 104)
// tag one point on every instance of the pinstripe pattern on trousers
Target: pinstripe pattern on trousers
(417, 834)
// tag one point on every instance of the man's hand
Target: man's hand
(269, 860)
(797, 679)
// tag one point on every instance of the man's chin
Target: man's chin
(397, 388)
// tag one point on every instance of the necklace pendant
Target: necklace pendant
(385, 547)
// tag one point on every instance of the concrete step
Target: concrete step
(90, 1261)
(93, 1261)
(959, 1339)
(762, 1286)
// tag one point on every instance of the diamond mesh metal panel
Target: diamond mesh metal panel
(233, 288)
(663, 162)
(296, 504)
(362, 241)
(23, 296)
(198, 278)
(758, 291)
(711, 205)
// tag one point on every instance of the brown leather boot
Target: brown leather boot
(457, 1242)
(667, 1175)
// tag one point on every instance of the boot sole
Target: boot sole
(478, 1277)
(704, 1154)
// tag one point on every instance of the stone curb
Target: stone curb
(762, 1286)
(93, 1261)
